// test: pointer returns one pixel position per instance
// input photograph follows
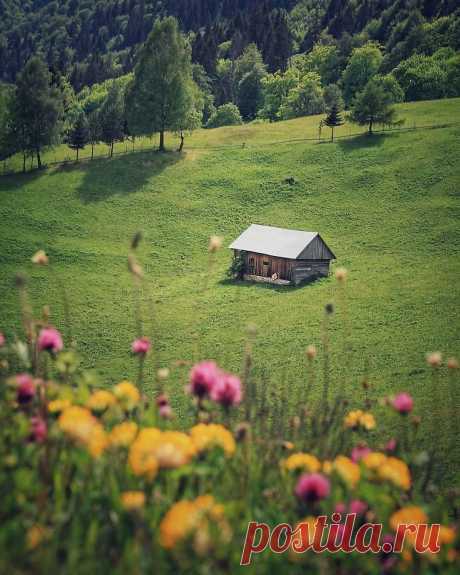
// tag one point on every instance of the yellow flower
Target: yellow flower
(446, 535)
(359, 418)
(58, 405)
(81, 425)
(123, 435)
(40, 258)
(133, 500)
(185, 517)
(173, 449)
(396, 471)
(141, 459)
(35, 535)
(347, 469)
(303, 461)
(327, 467)
(410, 515)
(100, 400)
(207, 436)
(374, 460)
(127, 394)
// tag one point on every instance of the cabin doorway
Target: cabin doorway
(266, 269)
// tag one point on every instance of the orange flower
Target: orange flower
(410, 515)
(347, 469)
(302, 461)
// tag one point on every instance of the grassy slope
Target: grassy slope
(387, 206)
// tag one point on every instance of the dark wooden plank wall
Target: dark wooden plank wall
(255, 266)
(307, 269)
(316, 250)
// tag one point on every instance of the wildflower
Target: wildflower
(215, 243)
(2, 339)
(391, 445)
(341, 274)
(347, 469)
(434, 359)
(163, 373)
(327, 467)
(446, 535)
(134, 267)
(203, 377)
(452, 363)
(25, 388)
(374, 460)
(40, 258)
(173, 449)
(141, 459)
(312, 487)
(58, 405)
(208, 436)
(101, 400)
(358, 452)
(81, 425)
(403, 403)
(410, 515)
(141, 346)
(340, 507)
(311, 352)
(133, 500)
(185, 517)
(302, 461)
(359, 418)
(50, 339)
(396, 471)
(38, 429)
(35, 535)
(227, 390)
(357, 507)
(127, 394)
(123, 434)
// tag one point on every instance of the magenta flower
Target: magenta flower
(358, 452)
(203, 377)
(358, 507)
(312, 487)
(391, 445)
(141, 346)
(50, 339)
(26, 388)
(403, 403)
(38, 429)
(227, 390)
(2, 339)
(340, 508)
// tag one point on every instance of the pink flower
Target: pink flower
(165, 411)
(39, 429)
(2, 339)
(227, 390)
(26, 387)
(358, 507)
(141, 346)
(340, 508)
(358, 452)
(203, 377)
(403, 403)
(312, 487)
(391, 445)
(50, 339)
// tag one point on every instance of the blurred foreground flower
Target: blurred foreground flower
(141, 346)
(302, 461)
(127, 394)
(227, 390)
(359, 418)
(123, 434)
(101, 400)
(434, 359)
(40, 258)
(410, 515)
(403, 403)
(50, 339)
(203, 377)
(341, 274)
(312, 487)
(79, 423)
(215, 243)
(347, 470)
(206, 436)
(25, 388)
(133, 500)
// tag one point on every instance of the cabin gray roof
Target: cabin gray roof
(278, 242)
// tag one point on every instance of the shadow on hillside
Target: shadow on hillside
(18, 180)
(362, 141)
(119, 175)
(270, 286)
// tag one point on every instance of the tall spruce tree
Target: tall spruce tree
(78, 135)
(111, 117)
(38, 108)
(161, 95)
(334, 118)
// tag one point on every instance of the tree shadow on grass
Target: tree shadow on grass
(18, 180)
(119, 175)
(362, 141)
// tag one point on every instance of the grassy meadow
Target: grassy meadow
(387, 205)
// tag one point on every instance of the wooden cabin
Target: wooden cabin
(282, 256)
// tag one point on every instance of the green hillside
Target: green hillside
(387, 205)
